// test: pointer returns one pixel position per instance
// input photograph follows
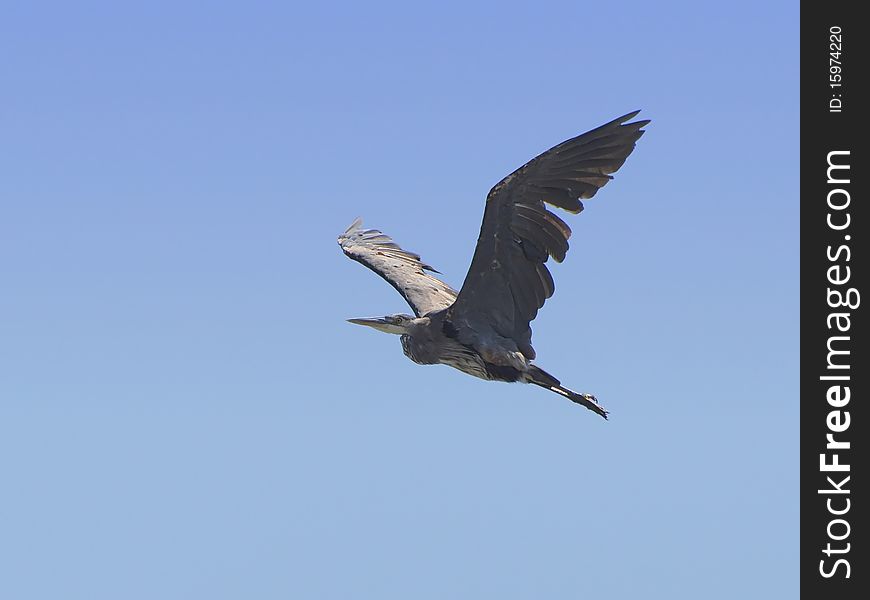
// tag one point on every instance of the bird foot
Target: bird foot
(595, 405)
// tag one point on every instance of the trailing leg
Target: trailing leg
(543, 379)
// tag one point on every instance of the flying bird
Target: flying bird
(484, 328)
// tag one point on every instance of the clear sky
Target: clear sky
(185, 413)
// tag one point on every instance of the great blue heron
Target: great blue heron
(483, 329)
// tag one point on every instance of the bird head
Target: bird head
(397, 324)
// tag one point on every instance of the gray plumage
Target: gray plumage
(484, 329)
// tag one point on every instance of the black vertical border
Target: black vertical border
(823, 130)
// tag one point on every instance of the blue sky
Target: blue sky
(184, 412)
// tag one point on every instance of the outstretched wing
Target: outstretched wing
(402, 269)
(508, 281)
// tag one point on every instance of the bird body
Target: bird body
(484, 329)
(432, 340)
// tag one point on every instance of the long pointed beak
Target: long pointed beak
(379, 323)
(368, 322)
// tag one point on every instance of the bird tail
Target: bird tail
(543, 379)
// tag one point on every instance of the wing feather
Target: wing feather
(508, 281)
(402, 269)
